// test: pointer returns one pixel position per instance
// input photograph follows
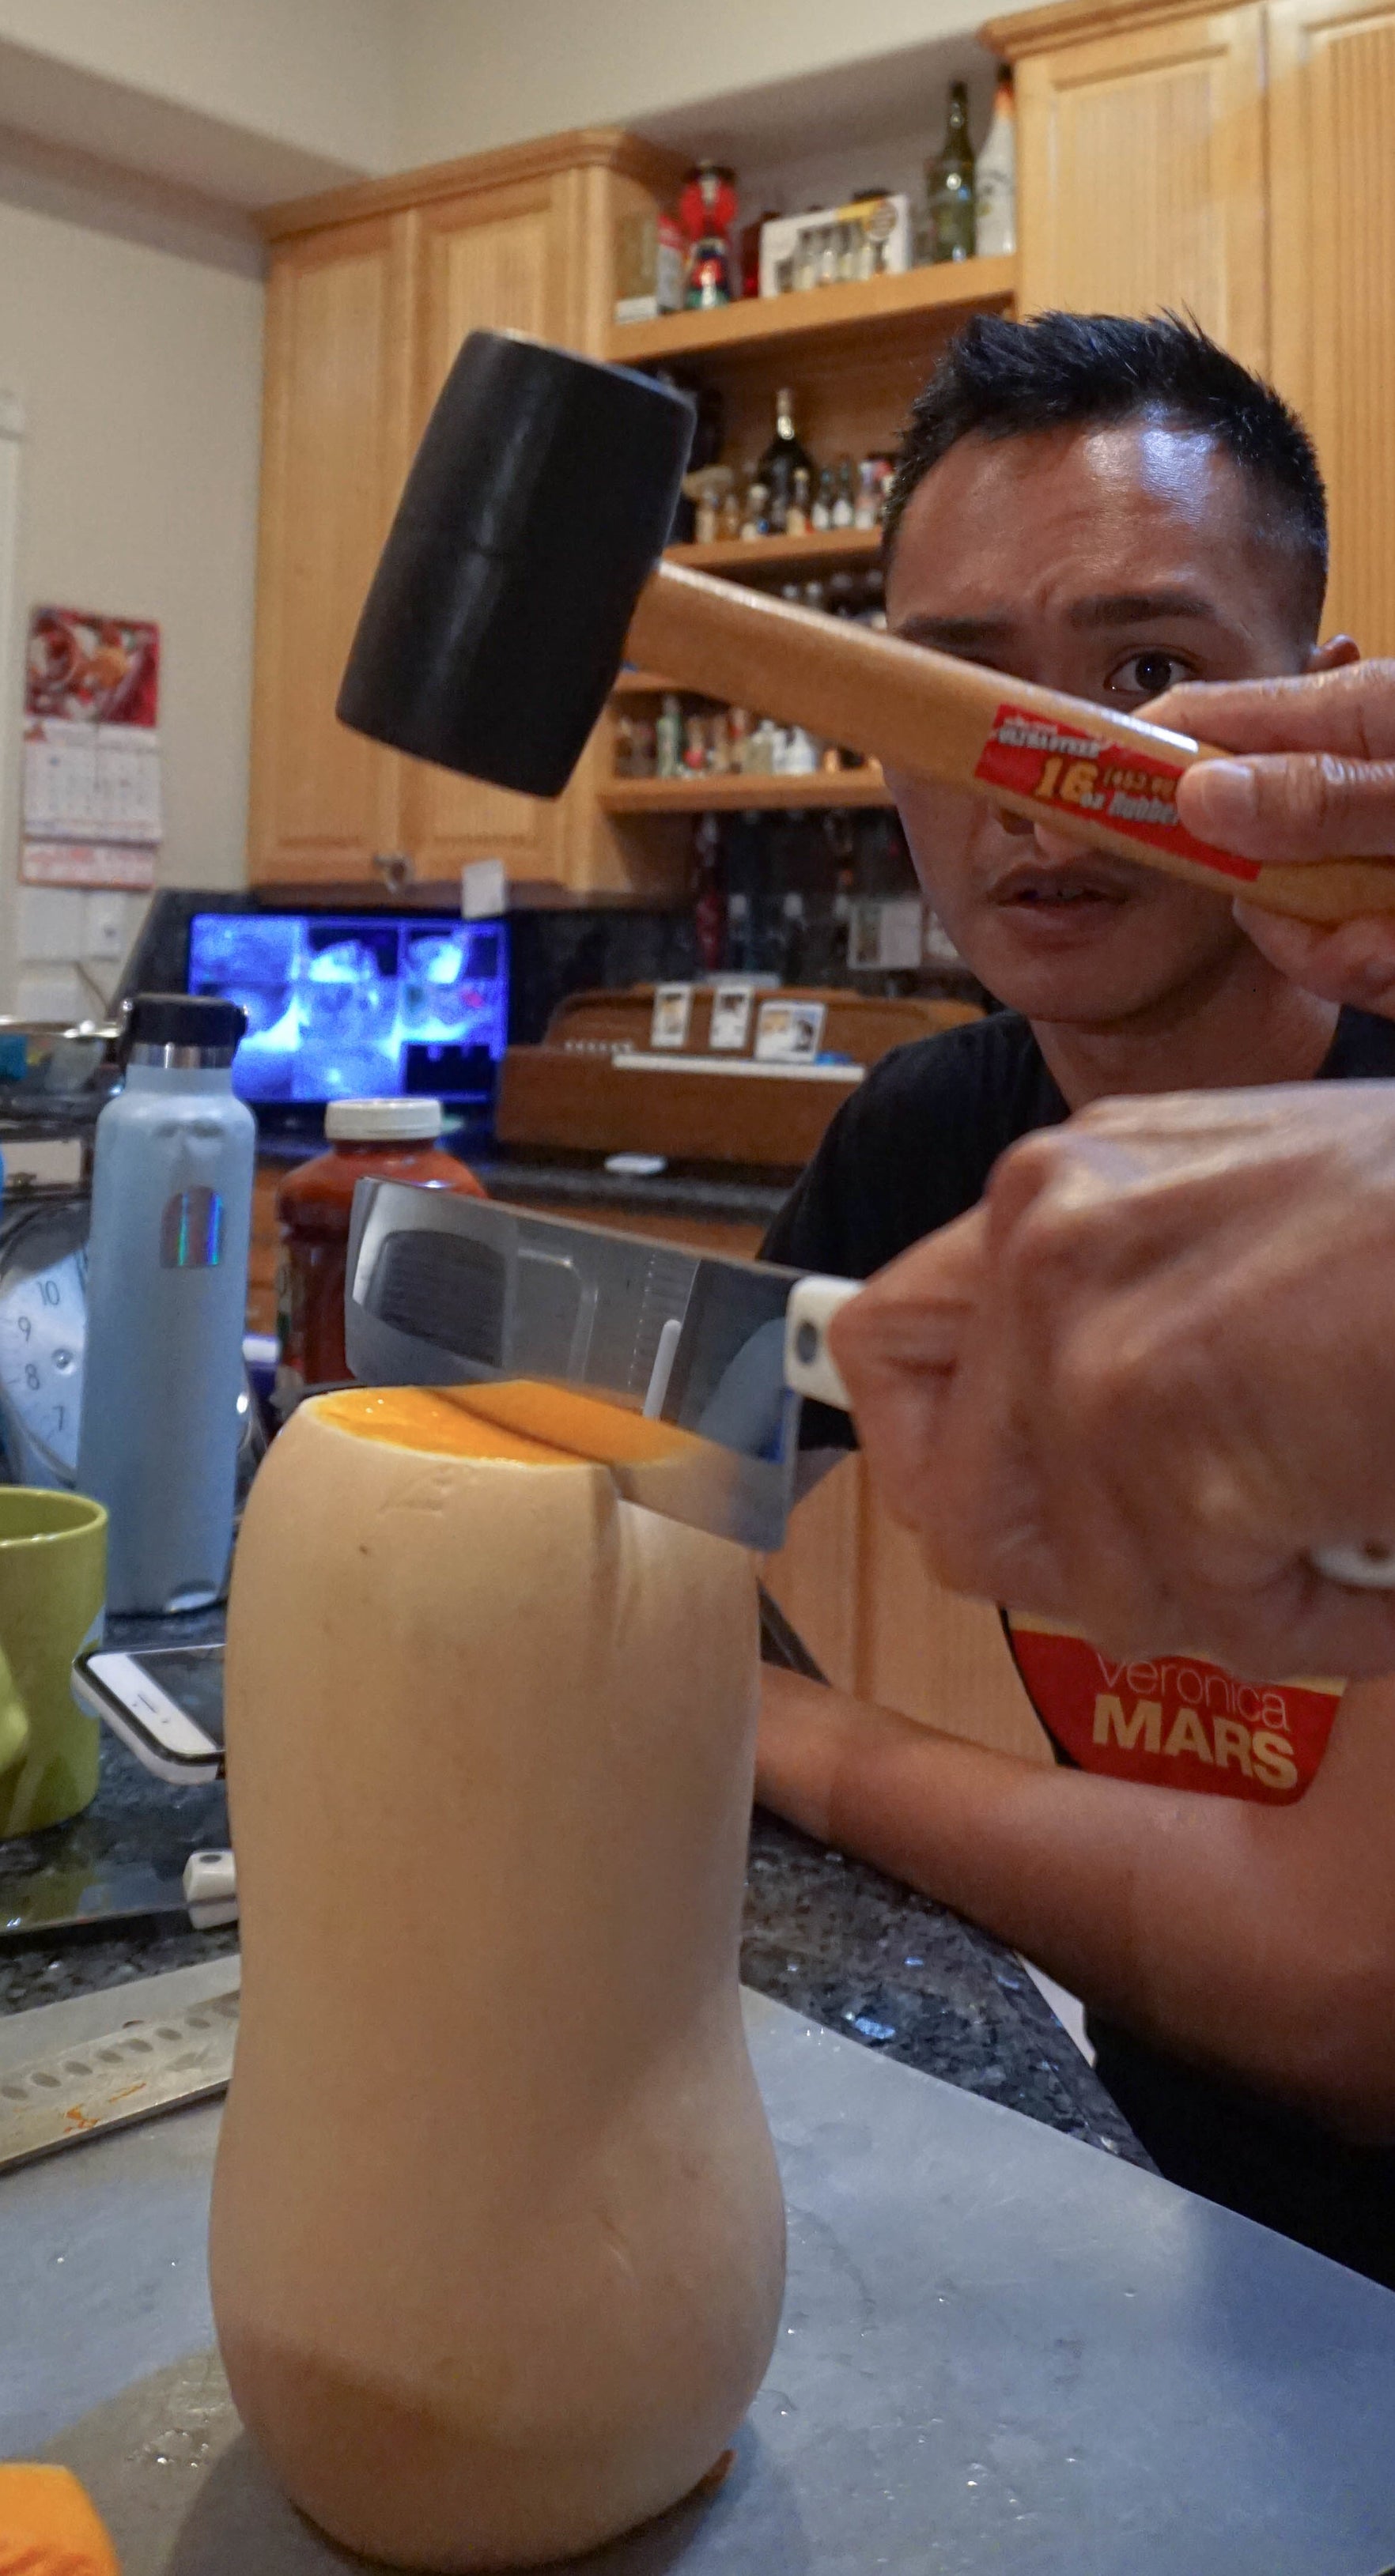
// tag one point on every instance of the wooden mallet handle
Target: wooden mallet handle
(1104, 777)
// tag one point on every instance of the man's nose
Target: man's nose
(1057, 847)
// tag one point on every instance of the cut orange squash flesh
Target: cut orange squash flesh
(522, 1419)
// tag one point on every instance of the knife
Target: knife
(70, 1900)
(128, 2072)
(715, 1355)
(443, 1291)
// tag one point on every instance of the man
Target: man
(1114, 509)
(1074, 1396)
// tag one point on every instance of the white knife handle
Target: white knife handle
(210, 1889)
(1364, 1569)
(810, 1368)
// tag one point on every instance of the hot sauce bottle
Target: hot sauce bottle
(386, 1140)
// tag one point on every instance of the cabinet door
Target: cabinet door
(336, 441)
(856, 1587)
(1142, 174)
(488, 262)
(1332, 156)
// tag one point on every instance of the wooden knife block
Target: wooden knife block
(571, 1095)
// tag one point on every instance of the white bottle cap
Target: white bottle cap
(400, 1122)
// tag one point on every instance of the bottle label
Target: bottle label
(1078, 773)
(191, 1230)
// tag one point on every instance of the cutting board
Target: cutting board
(1001, 2350)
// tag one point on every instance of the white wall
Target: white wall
(254, 99)
(188, 89)
(139, 373)
(474, 74)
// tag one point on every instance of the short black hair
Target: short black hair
(1001, 379)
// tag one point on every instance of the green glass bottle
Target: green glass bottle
(949, 185)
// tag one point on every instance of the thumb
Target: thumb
(1294, 805)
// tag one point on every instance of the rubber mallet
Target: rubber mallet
(524, 565)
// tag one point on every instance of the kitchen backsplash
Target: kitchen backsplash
(71, 947)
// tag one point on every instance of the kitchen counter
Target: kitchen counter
(734, 1199)
(831, 1937)
(712, 1210)
(752, 1198)
(133, 1818)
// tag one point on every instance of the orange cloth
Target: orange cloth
(49, 2526)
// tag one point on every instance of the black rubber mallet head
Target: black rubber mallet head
(524, 564)
(539, 502)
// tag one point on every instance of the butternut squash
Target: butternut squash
(497, 2243)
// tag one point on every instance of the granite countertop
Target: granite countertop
(831, 1937)
(741, 1196)
(134, 1818)
(750, 1201)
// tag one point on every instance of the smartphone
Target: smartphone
(165, 1703)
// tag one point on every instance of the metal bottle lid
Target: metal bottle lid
(182, 1029)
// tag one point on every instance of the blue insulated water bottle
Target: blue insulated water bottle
(166, 1296)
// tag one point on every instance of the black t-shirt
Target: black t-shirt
(911, 1150)
(914, 1145)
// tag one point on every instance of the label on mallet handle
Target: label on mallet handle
(1077, 774)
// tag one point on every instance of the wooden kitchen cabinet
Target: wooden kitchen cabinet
(1332, 252)
(1141, 163)
(1238, 164)
(337, 430)
(855, 1586)
(489, 260)
(372, 290)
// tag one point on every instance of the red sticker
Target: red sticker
(1084, 773)
(1175, 1721)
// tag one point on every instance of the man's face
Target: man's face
(1112, 563)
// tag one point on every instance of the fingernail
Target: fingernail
(1227, 793)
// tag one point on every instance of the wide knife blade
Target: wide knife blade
(62, 1900)
(66, 1898)
(448, 1291)
(129, 2072)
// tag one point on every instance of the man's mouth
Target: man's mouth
(1076, 887)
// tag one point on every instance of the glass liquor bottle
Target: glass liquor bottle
(995, 179)
(949, 184)
(794, 936)
(785, 457)
(668, 743)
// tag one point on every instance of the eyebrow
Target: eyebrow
(1103, 609)
(1133, 607)
(955, 634)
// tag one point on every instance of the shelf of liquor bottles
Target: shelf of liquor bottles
(748, 792)
(793, 325)
(749, 557)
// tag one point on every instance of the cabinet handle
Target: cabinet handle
(397, 868)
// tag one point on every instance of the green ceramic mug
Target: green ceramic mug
(53, 1571)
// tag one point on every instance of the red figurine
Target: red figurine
(707, 211)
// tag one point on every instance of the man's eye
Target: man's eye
(1146, 675)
